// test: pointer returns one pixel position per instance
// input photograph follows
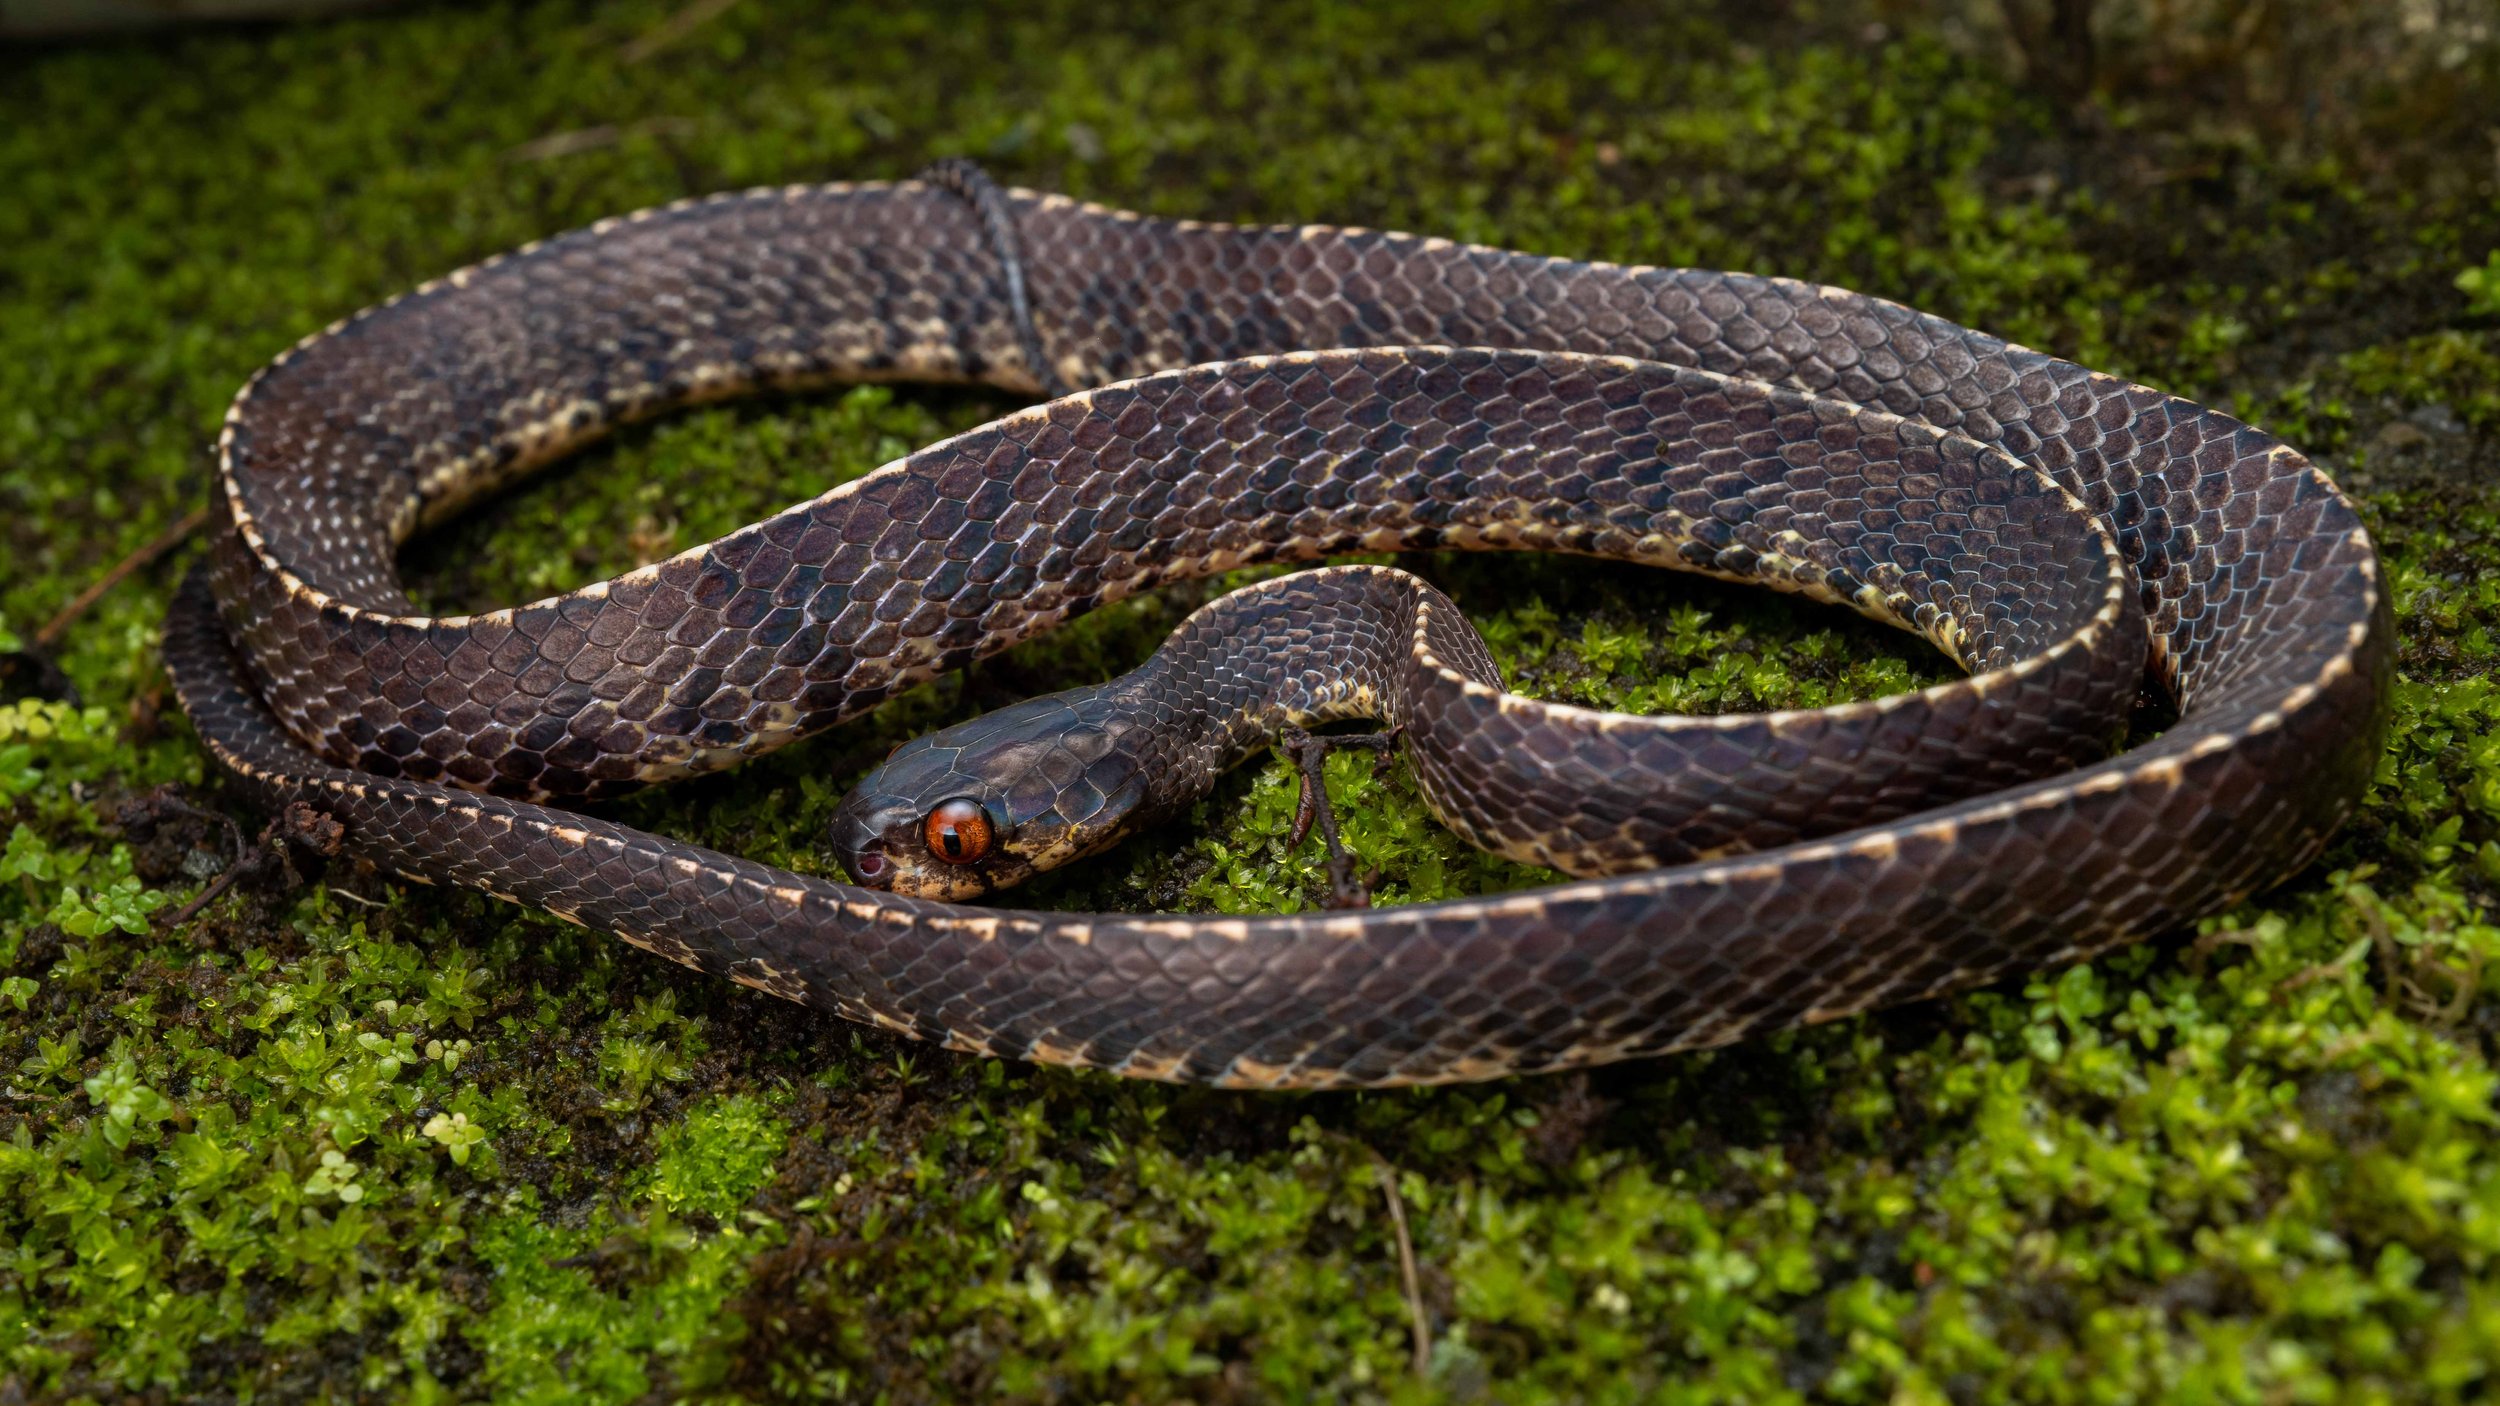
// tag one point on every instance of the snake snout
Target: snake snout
(862, 853)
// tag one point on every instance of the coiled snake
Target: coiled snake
(1804, 437)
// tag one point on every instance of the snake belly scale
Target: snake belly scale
(1674, 416)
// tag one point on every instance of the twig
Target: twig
(200, 901)
(2203, 949)
(297, 825)
(606, 134)
(1418, 1321)
(2322, 971)
(151, 809)
(165, 541)
(674, 28)
(1421, 1326)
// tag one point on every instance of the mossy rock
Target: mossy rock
(358, 1138)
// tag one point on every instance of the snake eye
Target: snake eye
(958, 831)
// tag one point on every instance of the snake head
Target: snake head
(987, 804)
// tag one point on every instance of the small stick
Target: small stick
(593, 138)
(206, 896)
(298, 824)
(165, 541)
(1421, 1326)
(674, 28)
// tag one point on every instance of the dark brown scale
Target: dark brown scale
(1069, 774)
(2265, 608)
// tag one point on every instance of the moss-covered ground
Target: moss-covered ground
(360, 1139)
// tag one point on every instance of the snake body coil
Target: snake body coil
(1804, 437)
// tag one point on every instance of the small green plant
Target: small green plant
(29, 863)
(131, 1109)
(335, 1176)
(456, 1133)
(633, 1065)
(2482, 285)
(124, 904)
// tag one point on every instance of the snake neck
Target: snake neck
(1069, 774)
(1304, 650)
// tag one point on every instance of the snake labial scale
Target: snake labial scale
(1375, 391)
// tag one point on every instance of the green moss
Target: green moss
(370, 1139)
(717, 1158)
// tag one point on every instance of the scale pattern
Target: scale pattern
(1634, 414)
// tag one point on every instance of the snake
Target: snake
(1230, 395)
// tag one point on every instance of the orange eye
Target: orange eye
(958, 831)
